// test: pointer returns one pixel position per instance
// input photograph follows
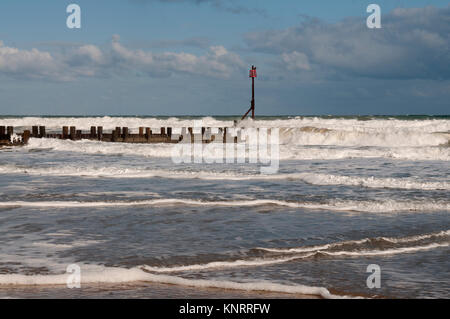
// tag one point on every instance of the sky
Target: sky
(191, 57)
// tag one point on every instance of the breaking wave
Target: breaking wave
(300, 138)
(385, 206)
(99, 274)
(351, 248)
(367, 247)
(315, 179)
(286, 151)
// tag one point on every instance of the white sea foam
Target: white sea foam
(426, 153)
(56, 246)
(97, 274)
(352, 125)
(295, 131)
(311, 251)
(306, 252)
(385, 252)
(287, 151)
(395, 240)
(349, 206)
(224, 264)
(145, 273)
(316, 178)
(371, 181)
(386, 137)
(300, 138)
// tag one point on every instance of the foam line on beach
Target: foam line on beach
(314, 179)
(362, 206)
(394, 240)
(385, 252)
(349, 206)
(224, 264)
(307, 252)
(121, 275)
(362, 253)
(288, 151)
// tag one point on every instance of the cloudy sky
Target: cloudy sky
(191, 57)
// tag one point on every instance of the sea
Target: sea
(358, 206)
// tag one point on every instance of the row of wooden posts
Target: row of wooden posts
(7, 137)
(119, 134)
(96, 133)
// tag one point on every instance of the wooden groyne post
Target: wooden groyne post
(119, 134)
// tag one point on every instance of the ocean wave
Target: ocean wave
(352, 248)
(133, 123)
(364, 241)
(366, 247)
(385, 206)
(311, 178)
(300, 254)
(97, 274)
(426, 153)
(300, 131)
(371, 181)
(393, 137)
(224, 264)
(215, 151)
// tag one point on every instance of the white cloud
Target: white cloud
(217, 62)
(28, 63)
(296, 60)
(90, 60)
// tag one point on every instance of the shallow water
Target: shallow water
(363, 191)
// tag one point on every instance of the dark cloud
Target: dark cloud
(412, 44)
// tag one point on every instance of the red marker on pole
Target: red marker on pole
(252, 74)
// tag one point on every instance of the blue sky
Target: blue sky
(174, 57)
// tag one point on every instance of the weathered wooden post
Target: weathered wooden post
(169, 132)
(10, 130)
(224, 135)
(26, 136)
(73, 132)
(148, 133)
(141, 132)
(65, 132)
(114, 135)
(78, 135)
(2, 131)
(163, 131)
(125, 134)
(118, 131)
(191, 133)
(100, 133)
(35, 131)
(93, 132)
(42, 131)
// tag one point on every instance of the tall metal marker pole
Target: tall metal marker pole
(252, 75)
